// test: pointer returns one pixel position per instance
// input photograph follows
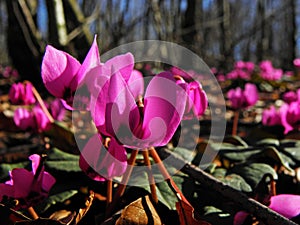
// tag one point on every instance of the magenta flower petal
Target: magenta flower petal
(58, 70)
(28, 98)
(296, 63)
(286, 204)
(101, 164)
(243, 98)
(236, 98)
(22, 180)
(290, 96)
(197, 100)
(41, 119)
(16, 93)
(283, 114)
(271, 117)
(25, 186)
(35, 162)
(136, 83)
(57, 109)
(24, 119)
(164, 107)
(91, 60)
(251, 94)
(120, 103)
(290, 116)
(122, 63)
(47, 182)
(6, 190)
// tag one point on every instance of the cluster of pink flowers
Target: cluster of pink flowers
(28, 187)
(241, 99)
(288, 115)
(33, 117)
(8, 71)
(21, 94)
(242, 70)
(268, 72)
(124, 112)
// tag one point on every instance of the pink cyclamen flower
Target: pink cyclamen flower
(62, 74)
(296, 63)
(271, 117)
(197, 101)
(35, 119)
(99, 162)
(290, 96)
(287, 205)
(240, 99)
(23, 118)
(268, 72)
(139, 127)
(21, 94)
(102, 164)
(28, 187)
(242, 70)
(57, 109)
(221, 77)
(99, 84)
(290, 116)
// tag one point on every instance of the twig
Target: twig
(15, 213)
(261, 211)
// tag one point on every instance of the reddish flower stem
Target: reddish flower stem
(166, 175)
(235, 122)
(41, 102)
(150, 176)
(32, 213)
(122, 185)
(109, 192)
(160, 164)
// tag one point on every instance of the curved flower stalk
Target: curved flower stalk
(287, 205)
(21, 94)
(28, 187)
(62, 74)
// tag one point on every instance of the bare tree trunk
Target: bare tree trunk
(260, 20)
(289, 45)
(25, 48)
(188, 24)
(226, 47)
